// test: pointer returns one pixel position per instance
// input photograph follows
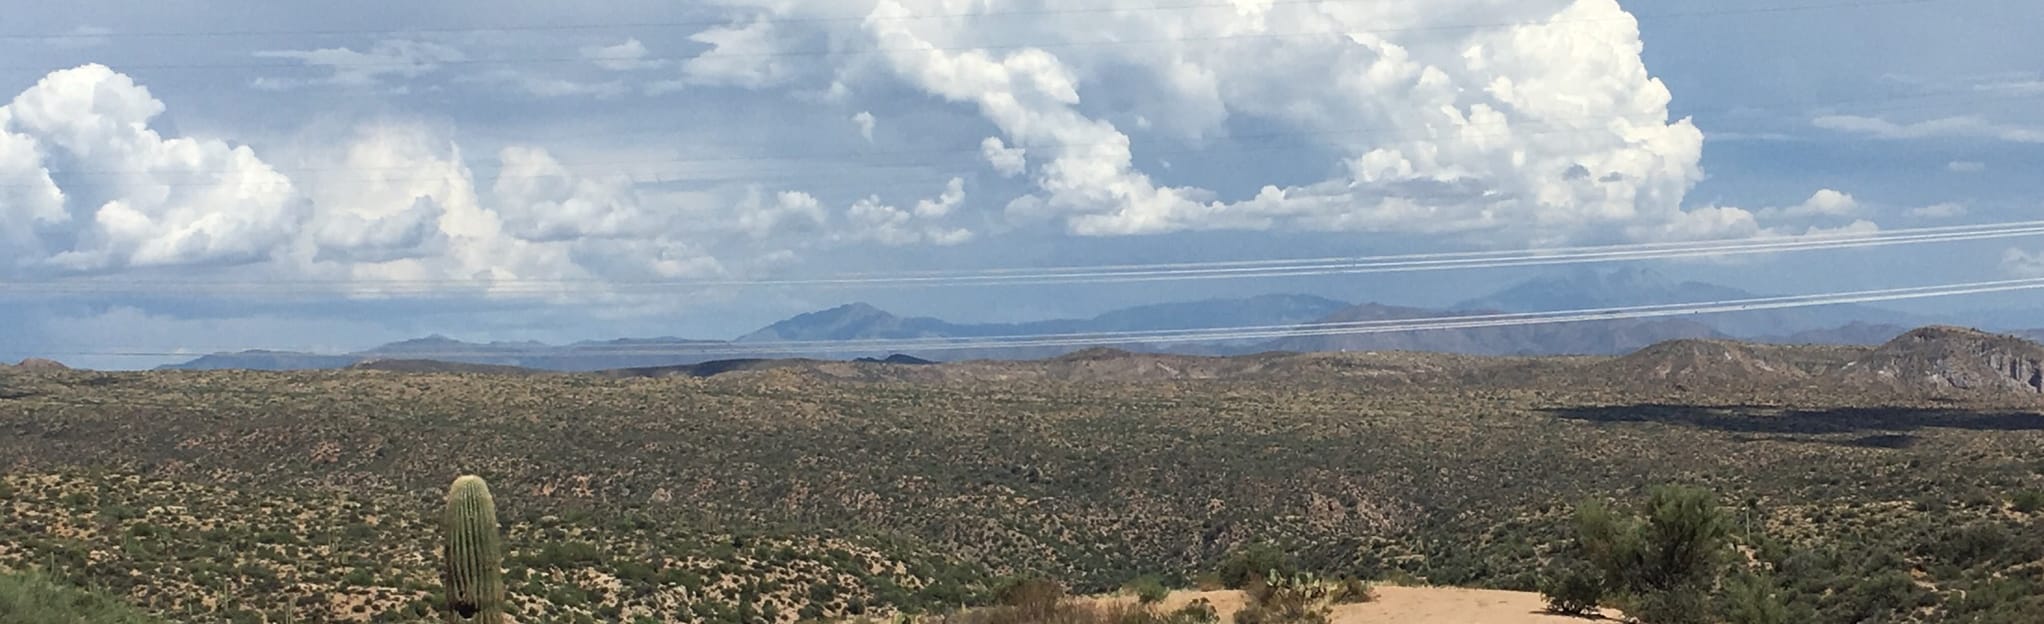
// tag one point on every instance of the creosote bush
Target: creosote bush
(1661, 567)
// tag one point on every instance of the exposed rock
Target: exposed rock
(1942, 357)
(40, 364)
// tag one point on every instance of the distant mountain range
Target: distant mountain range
(1581, 338)
(1580, 289)
(1585, 289)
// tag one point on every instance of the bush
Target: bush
(1751, 599)
(1252, 562)
(2027, 501)
(1353, 590)
(1573, 589)
(1685, 605)
(1031, 596)
(1198, 612)
(1660, 566)
(1149, 589)
(1287, 599)
(1677, 545)
(32, 598)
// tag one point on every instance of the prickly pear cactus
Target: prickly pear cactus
(474, 554)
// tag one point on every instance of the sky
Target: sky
(196, 175)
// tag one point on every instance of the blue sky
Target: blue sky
(309, 155)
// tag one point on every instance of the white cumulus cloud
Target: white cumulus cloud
(1008, 161)
(870, 219)
(94, 188)
(787, 212)
(739, 55)
(1824, 203)
(1551, 122)
(541, 200)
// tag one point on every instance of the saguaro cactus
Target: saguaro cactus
(474, 554)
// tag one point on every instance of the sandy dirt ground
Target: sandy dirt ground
(1417, 605)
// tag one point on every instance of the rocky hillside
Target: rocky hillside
(1941, 358)
(1721, 365)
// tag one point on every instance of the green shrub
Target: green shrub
(1253, 561)
(1287, 599)
(1353, 590)
(1752, 599)
(1682, 605)
(1678, 544)
(33, 598)
(1030, 595)
(1573, 588)
(2028, 501)
(1149, 589)
(1660, 566)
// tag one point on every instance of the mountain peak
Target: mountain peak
(845, 322)
(858, 309)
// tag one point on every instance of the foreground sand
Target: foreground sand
(1415, 605)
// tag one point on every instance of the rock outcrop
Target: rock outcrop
(1942, 357)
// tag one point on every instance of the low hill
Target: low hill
(437, 366)
(1720, 365)
(262, 359)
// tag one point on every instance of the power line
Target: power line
(214, 34)
(1536, 128)
(1232, 333)
(661, 24)
(1021, 46)
(1069, 275)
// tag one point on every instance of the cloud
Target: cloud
(1962, 127)
(1860, 227)
(95, 189)
(871, 220)
(414, 212)
(542, 201)
(1008, 161)
(1965, 166)
(353, 238)
(787, 212)
(549, 87)
(1946, 210)
(864, 120)
(740, 55)
(2023, 263)
(1824, 203)
(389, 58)
(627, 56)
(1475, 128)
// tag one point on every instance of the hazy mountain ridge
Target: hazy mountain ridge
(1585, 289)
(1581, 289)
(1576, 338)
(856, 321)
